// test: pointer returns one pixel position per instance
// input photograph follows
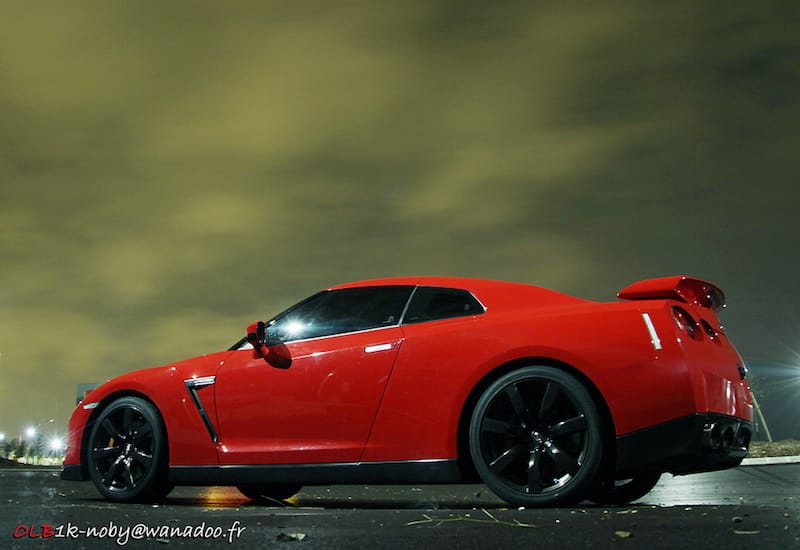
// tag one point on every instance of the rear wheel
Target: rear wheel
(127, 452)
(535, 437)
(623, 491)
(267, 492)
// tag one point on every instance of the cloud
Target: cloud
(166, 167)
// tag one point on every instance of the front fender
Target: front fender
(165, 387)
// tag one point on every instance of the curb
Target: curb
(770, 460)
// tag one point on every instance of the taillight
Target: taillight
(711, 331)
(685, 322)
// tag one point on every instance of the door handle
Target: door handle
(377, 347)
(386, 346)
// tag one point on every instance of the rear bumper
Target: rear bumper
(691, 444)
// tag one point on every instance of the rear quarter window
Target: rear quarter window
(432, 303)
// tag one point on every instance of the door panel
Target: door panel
(320, 409)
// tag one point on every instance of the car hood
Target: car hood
(154, 380)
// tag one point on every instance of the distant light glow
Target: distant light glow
(2, 437)
(778, 383)
(56, 444)
(30, 432)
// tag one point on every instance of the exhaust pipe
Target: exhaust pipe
(723, 438)
(727, 439)
(712, 436)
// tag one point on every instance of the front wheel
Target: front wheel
(535, 437)
(127, 452)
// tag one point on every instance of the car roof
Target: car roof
(490, 292)
(450, 282)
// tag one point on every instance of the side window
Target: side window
(340, 311)
(430, 303)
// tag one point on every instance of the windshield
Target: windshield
(332, 312)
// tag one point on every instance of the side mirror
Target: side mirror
(257, 335)
(277, 356)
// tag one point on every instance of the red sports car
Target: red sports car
(546, 398)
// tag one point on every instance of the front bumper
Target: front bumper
(73, 472)
(695, 443)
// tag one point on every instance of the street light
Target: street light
(30, 432)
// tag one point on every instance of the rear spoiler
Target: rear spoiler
(679, 287)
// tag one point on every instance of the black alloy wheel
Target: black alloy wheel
(127, 452)
(535, 437)
(269, 492)
(623, 491)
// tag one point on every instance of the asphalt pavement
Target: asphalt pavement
(754, 506)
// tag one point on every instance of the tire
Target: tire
(623, 491)
(535, 437)
(127, 452)
(269, 492)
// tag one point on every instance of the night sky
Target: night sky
(170, 172)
